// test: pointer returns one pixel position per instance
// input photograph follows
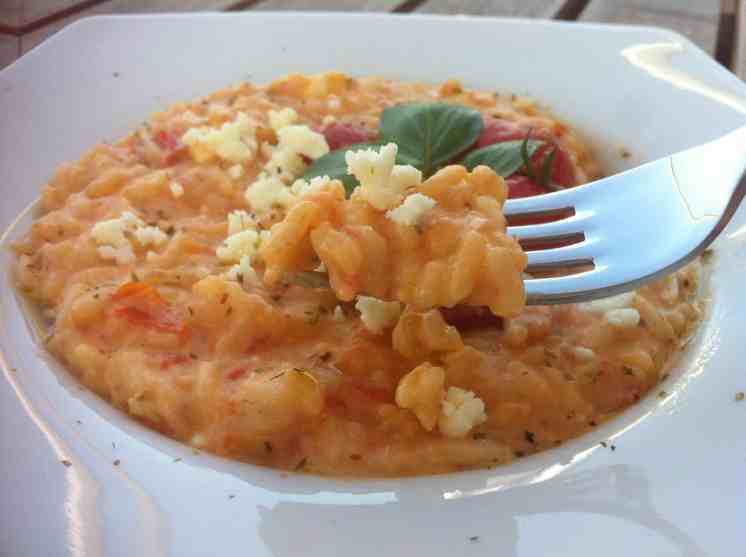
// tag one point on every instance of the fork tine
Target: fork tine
(550, 202)
(576, 254)
(557, 229)
(558, 290)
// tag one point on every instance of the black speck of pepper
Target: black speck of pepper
(177, 459)
(224, 298)
(603, 444)
(116, 462)
(115, 74)
(479, 435)
(171, 230)
(96, 296)
(113, 445)
(473, 539)
(592, 423)
(78, 422)
(190, 310)
(231, 496)
(519, 454)
(301, 464)
(134, 277)
(612, 447)
(356, 456)
(529, 436)
(229, 311)
(193, 356)
(325, 357)
(66, 463)
(662, 394)
(268, 447)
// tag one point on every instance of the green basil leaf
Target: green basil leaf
(430, 135)
(333, 164)
(505, 158)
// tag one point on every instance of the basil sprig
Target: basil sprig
(431, 135)
(505, 158)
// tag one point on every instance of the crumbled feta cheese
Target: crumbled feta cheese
(279, 119)
(625, 318)
(284, 164)
(150, 235)
(339, 314)
(268, 193)
(583, 354)
(235, 171)
(376, 314)
(240, 220)
(373, 170)
(302, 187)
(111, 232)
(233, 141)
(619, 301)
(321, 268)
(177, 190)
(236, 246)
(243, 272)
(412, 210)
(303, 141)
(151, 256)
(264, 235)
(405, 176)
(123, 255)
(461, 410)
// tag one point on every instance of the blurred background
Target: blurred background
(717, 26)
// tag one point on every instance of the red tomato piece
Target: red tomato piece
(522, 186)
(342, 134)
(497, 131)
(563, 173)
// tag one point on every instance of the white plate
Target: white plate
(675, 484)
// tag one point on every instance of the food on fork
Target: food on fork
(315, 275)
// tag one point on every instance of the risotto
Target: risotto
(307, 275)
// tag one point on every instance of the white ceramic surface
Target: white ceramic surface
(675, 483)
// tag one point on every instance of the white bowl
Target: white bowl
(675, 483)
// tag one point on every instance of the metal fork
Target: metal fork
(635, 226)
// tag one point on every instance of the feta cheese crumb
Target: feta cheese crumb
(239, 221)
(111, 232)
(302, 187)
(236, 246)
(235, 171)
(339, 314)
(177, 190)
(412, 210)
(151, 256)
(279, 119)
(268, 193)
(625, 318)
(302, 140)
(373, 170)
(233, 141)
(405, 176)
(376, 314)
(123, 255)
(243, 272)
(150, 235)
(460, 411)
